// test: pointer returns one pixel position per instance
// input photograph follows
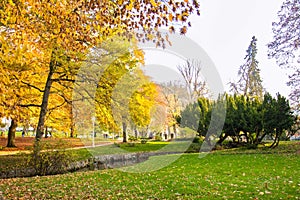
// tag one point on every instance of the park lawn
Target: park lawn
(214, 176)
(16, 161)
(125, 148)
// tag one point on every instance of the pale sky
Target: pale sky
(224, 30)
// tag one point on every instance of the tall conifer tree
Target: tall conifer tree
(249, 82)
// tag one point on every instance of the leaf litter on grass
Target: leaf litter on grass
(216, 176)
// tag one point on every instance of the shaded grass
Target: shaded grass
(216, 176)
(10, 162)
(125, 148)
(285, 147)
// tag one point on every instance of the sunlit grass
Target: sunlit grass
(216, 176)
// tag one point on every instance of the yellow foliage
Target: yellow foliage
(153, 3)
(51, 37)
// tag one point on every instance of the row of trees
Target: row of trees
(251, 112)
(246, 117)
(43, 45)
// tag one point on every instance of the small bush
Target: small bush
(143, 141)
(230, 144)
(132, 138)
(158, 138)
(117, 144)
(218, 147)
(47, 158)
(194, 148)
(251, 146)
(197, 139)
(130, 144)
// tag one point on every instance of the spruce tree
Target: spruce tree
(249, 82)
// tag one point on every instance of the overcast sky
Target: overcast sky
(224, 30)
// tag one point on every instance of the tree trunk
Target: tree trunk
(12, 134)
(72, 129)
(277, 138)
(175, 130)
(46, 132)
(44, 105)
(124, 127)
(136, 133)
(257, 133)
(222, 138)
(275, 143)
(262, 137)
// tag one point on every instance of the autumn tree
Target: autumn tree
(285, 45)
(195, 85)
(19, 101)
(174, 98)
(129, 100)
(142, 102)
(123, 95)
(249, 82)
(111, 62)
(159, 115)
(59, 31)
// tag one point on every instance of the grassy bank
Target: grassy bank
(216, 176)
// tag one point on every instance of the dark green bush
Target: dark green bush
(194, 148)
(218, 147)
(251, 146)
(197, 139)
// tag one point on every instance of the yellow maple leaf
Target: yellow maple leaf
(153, 3)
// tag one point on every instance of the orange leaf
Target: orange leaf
(170, 17)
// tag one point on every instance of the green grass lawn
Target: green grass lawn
(125, 148)
(237, 174)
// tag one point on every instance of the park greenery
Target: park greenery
(261, 173)
(52, 59)
(248, 120)
(44, 44)
(72, 68)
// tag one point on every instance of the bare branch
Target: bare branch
(29, 105)
(63, 79)
(32, 86)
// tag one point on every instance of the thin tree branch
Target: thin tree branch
(32, 86)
